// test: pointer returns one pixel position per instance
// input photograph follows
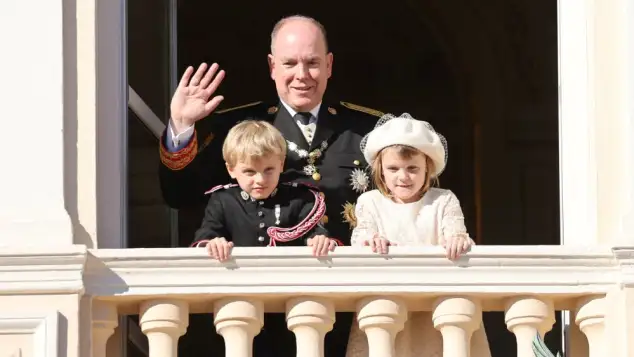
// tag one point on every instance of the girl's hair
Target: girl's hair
(404, 152)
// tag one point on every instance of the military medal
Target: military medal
(359, 180)
(310, 169)
(277, 214)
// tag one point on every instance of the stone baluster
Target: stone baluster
(164, 322)
(590, 318)
(238, 321)
(310, 318)
(381, 318)
(526, 316)
(457, 318)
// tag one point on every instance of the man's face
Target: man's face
(300, 65)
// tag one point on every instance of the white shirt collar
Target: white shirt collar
(292, 112)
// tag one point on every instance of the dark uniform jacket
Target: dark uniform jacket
(342, 171)
(288, 217)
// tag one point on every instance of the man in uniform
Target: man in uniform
(323, 138)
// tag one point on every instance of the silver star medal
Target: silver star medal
(359, 180)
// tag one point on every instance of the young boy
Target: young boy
(259, 211)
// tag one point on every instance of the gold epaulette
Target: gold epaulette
(179, 160)
(238, 107)
(363, 109)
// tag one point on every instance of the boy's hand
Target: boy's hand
(219, 249)
(379, 244)
(321, 245)
(455, 246)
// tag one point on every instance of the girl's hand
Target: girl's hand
(455, 246)
(379, 244)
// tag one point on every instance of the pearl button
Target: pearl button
(260, 213)
(261, 239)
(262, 225)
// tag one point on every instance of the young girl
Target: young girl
(407, 156)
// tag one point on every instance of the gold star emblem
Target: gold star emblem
(332, 110)
(349, 214)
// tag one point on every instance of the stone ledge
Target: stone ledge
(42, 270)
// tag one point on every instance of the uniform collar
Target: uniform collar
(292, 112)
(246, 197)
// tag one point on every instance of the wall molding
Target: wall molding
(43, 326)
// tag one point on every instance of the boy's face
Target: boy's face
(259, 177)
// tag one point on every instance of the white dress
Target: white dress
(435, 216)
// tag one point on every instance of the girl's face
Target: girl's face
(404, 175)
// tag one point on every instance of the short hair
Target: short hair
(404, 152)
(278, 26)
(252, 140)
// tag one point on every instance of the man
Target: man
(323, 139)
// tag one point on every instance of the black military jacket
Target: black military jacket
(343, 172)
(288, 217)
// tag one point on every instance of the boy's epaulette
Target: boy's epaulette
(216, 188)
(237, 107)
(363, 109)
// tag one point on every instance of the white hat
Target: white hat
(405, 130)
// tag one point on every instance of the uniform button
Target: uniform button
(260, 239)
(260, 213)
(262, 225)
(356, 162)
(261, 203)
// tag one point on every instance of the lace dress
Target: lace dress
(435, 216)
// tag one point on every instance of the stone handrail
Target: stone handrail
(164, 285)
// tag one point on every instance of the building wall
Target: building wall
(63, 100)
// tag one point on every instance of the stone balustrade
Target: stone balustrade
(528, 283)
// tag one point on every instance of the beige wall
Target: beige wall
(32, 323)
(63, 117)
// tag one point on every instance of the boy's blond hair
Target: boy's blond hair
(251, 140)
(404, 152)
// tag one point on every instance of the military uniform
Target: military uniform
(332, 161)
(288, 217)
(338, 167)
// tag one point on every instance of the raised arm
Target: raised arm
(187, 169)
(193, 99)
